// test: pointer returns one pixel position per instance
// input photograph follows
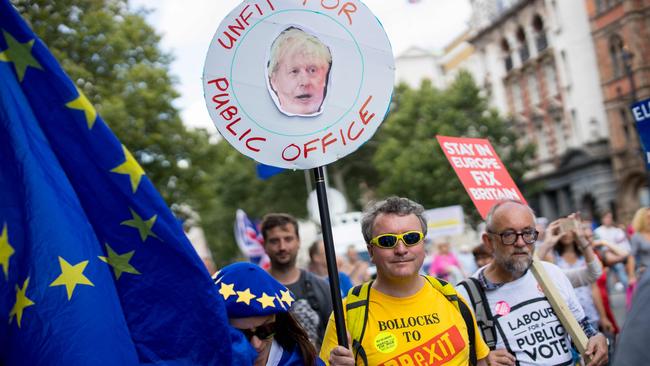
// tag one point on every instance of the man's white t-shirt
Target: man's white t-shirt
(526, 324)
(613, 235)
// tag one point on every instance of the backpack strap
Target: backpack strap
(481, 310)
(309, 292)
(357, 316)
(450, 293)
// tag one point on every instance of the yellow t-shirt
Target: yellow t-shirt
(422, 329)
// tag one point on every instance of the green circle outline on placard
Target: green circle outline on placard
(241, 107)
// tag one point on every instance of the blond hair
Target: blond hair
(293, 40)
(639, 222)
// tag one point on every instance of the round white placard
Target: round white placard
(298, 84)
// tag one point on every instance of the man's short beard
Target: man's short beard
(284, 266)
(515, 267)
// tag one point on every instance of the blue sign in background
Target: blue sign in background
(641, 114)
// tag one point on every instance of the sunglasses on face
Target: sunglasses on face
(509, 237)
(263, 332)
(388, 241)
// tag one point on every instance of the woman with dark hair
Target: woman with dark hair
(258, 306)
(572, 250)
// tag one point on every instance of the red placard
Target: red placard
(480, 170)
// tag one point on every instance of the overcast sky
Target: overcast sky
(187, 27)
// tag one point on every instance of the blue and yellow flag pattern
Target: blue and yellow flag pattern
(94, 268)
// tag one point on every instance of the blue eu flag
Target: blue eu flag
(94, 268)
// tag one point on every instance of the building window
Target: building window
(524, 54)
(540, 35)
(616, 55)
(507, 58)
(517, 100)
(566, 69)
(560, 138)
(644, 196)
(605, 5)
(533, 89)
(625, 123)
(542, 142)
(551, 80)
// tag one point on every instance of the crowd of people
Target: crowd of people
(476, 306)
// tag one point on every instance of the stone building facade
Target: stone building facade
(620, 31)
(538, 59)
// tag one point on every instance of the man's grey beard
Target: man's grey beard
(516, 267)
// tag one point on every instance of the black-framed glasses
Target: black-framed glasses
(388, 241)
(509, 237)
(263, 332)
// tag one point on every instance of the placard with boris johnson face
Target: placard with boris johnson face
(298, 84)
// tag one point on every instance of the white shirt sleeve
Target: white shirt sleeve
(565, 288)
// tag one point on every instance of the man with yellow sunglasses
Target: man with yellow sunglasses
(403, 318)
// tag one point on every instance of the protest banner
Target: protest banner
(445, 221)
(299, 85)
(480, 170)
(641, 114)
(560, 307)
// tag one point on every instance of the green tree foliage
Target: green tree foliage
(113, 56)
(237, 186)
(407, 157)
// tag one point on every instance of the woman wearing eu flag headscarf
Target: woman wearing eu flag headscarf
(258, 306)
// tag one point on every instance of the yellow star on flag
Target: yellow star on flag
(286, 297)
(83, 104)
(71, 276)
(20, 54)
(144, 227)
(131, 168)
(266, 300)
(22, 301)
(245, 296)
(6, 251)
(227, 290)
(119, 262)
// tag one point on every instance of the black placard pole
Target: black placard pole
(330, 255)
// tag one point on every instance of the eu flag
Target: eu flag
(94, 268)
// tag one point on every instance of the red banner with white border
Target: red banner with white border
(481, 171)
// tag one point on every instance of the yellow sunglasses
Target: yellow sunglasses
(388, 241)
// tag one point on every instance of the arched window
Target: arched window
(507, 58)
(625, 122)
(540, 35)
(616, 55)
(524, 54)
(551, 80)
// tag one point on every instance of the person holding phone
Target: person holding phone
(571, 228)
(572, 250)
